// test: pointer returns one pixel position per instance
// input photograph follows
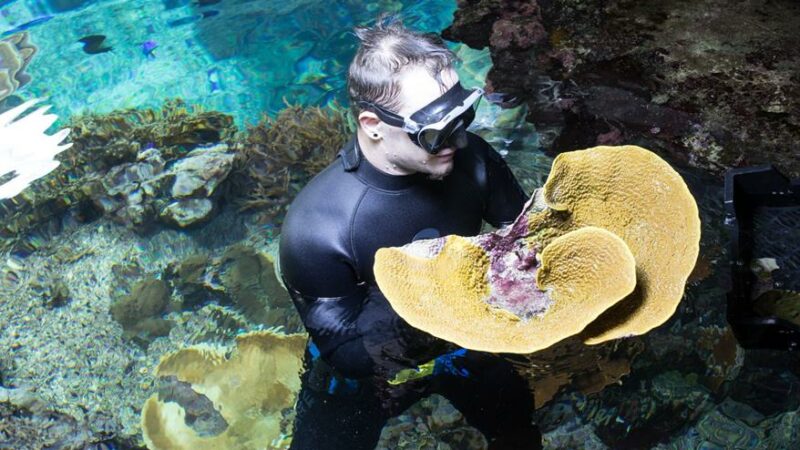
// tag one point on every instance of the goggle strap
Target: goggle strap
(389, 117)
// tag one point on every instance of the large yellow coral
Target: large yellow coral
(448, 295)
(480, 292)
(250, 390)
(636, 195)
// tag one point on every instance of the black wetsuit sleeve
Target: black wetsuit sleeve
(505, 198)
(350, 322)
(333, 323)
(326, 292)
(360, 335)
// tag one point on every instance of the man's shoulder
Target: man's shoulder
(328, 199)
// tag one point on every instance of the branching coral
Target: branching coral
(277, 156)
(240, 398)
(26, 150)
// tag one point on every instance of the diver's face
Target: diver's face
(417, 89)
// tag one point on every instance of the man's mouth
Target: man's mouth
(446, 153)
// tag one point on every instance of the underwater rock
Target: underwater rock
(135, 194)
(243, 279)
(783, 430)
(129, 190)
(27, 422)
(253, 387)
(573, 434)
(737, 425)
(101, 142)
(16, 52)
(431, 423)
(641, 414)
(717, 429)
(187, 212)
(592, 68)
(200, 172)
(139, 312)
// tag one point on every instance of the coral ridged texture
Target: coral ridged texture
(614, 222)
(250, 389)
(15, 55)
(636, 195)
(449, 294)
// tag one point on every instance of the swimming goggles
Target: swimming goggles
(439, 124)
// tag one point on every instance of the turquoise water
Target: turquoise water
(75, 375)
(239, 57)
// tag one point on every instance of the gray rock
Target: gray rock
(186, 212)
(201, 171)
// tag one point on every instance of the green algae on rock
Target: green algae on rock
(139, 312)
(99, 143)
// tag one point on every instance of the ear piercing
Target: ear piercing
(375, 135)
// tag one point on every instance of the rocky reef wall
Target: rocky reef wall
(710, 84)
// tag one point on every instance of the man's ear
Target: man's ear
(369, 122)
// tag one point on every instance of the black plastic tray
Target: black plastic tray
(762, 209)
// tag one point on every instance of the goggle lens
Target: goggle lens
(433, 140)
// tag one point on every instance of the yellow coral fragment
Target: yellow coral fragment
(583, 273)
(250, 389)
(636, 195)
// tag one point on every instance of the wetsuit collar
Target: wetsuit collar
(353, 161)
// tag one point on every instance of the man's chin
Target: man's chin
(439, 175)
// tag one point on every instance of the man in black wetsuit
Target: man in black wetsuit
(411, 172)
